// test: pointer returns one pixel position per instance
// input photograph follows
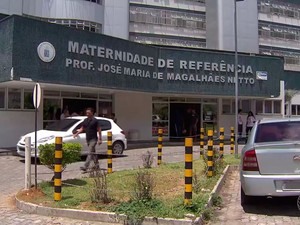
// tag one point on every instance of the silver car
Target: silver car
(65, 129)
(270, 163)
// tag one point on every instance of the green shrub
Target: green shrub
(144, 185)
(70, 153)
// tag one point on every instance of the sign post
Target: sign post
(36, 102)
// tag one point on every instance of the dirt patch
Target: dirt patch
(31, 195)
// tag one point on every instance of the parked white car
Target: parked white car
(65, 129)
(270, 164)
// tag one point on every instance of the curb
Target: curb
(109, 217)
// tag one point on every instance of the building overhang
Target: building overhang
(54, 54)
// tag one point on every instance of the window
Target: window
(104, 124)
(2, 98)
(277, 106)
(294, 110)
(226, 106)
(259, 106)
(281, 131)
(268, 106)
(246, 105)
(105, 109)
(160, 118)
(14, 98)
(28, 99)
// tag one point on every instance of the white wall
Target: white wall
(71, 9)
(220, 25)
(116, 18)
(14, 124)
(134, 113)
(60, 9)
(11, 7)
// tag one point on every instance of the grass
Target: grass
(168, 192)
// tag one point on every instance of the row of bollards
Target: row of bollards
(188, 159)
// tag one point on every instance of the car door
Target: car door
(105, 127)
(81, 139)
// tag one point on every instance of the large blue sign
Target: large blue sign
(57, 54)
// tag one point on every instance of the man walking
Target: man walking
(91, 127)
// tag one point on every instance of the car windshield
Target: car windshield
(61, 125)
(280, 131)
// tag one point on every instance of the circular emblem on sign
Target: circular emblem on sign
(46, 51)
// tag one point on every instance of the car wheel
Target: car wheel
(245, 199)
(118, 148)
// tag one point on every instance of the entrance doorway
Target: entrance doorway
(78, 106)
(185, 120)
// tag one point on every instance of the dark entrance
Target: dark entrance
(183, 116)
(78, 106)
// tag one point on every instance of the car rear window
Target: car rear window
(279, 131)
(104, 124)
(61, 125)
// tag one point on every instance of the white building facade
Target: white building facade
(181, 23)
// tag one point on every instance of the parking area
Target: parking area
(266, 212)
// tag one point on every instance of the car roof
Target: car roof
(279, 120)
(84, 117)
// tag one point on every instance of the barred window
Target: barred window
(167, 17)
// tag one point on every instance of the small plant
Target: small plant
(197, 184)
(99, 192)
(144, 185)
(147, 159)
(216, 200)
(217, 162)
(207, 214)
(70, 154)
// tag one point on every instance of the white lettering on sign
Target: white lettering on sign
(105, 60)
(101, 52)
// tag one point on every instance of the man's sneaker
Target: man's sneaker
(83, 168)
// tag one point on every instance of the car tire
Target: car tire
(245, 199)
(118, 148)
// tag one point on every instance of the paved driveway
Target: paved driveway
(12, 180)
(267, 212)
(281, 211)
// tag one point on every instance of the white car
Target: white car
(65, 129)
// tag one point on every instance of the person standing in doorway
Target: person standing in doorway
(193, 123)
(240, 124)
(250, 122)
(113, 117)
(91, 127)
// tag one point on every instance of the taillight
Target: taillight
(122, 132)
(250, 161)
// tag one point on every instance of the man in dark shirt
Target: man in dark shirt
(91, 127)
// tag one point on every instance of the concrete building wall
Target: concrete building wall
(116, 18)
(58, 9)
(220, 25)
(134, 113)
(15, 124)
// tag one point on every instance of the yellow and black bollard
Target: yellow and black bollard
(188, 171)
(159, 147)
(57, 168)
(210, 153)
(231, 140)
(221, 143)
(201, 143)
(109, 152)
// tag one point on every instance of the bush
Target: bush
(99, 192)
(147, 159)
(70, 153)
(144, 185)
